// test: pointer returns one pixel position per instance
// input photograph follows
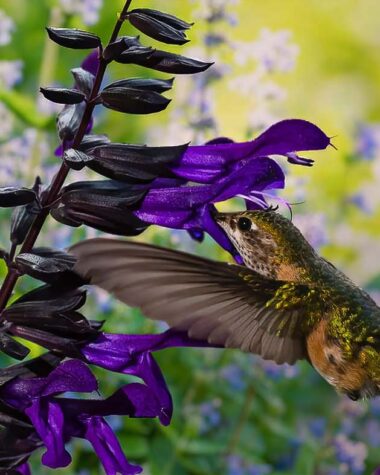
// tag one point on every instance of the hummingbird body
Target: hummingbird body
(286, 303)
(342, 324)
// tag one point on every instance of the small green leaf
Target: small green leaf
(305, 462)
(136, 447)
(24, 108)
(162, 456)
(202, 447)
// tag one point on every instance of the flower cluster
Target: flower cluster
(165, 193)
(273, 52)
(174, 186)
(6, 28)
(88, 10)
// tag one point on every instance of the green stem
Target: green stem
(242, 420)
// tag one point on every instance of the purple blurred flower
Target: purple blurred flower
(286, 461)
(88, 10)
(368, 141)
(234, 375)
(351, 454)
(372, 432)
(210, 415)
(313, 227)
(235, 465)
(361, 201)
(318, 427)
(276, 372)
(374, 407)
(259, 469)
(7, 27)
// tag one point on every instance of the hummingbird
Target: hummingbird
(286, 303)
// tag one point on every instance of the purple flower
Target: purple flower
(24, 469)
(227, 169)
(131, 354)
(191, 207)
(211, 162)
(56, 420)
(223, 170)
(91, 62)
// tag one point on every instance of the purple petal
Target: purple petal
(254, 176)
(210, 162)
(121, 349)
(291, 135)
(134, 400)
(66, 144)
(150, 372)
(114, 353)
(24, 469)
(91, 62)
(251, 205)
(189, 207)
(197, 234)
(71, 375)
(107, 447)
(130, 354)
(181, 207)
(214, 230)
(48, 420)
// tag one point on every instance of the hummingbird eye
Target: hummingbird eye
(244, 224)
(354, 395)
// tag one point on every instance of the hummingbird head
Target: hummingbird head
(266, 241)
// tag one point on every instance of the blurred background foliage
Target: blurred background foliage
(316, 60)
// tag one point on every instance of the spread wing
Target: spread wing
(228, 305)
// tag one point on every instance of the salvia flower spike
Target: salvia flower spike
(175, 187)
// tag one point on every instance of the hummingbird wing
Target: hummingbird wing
(227, 305)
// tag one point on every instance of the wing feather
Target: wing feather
(225, 304)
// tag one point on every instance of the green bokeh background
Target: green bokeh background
(335, 85)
